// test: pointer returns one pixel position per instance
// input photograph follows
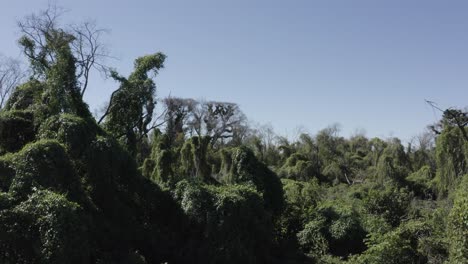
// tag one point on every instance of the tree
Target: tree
(240, 166)
(451, 152)
(48, 48)
(451, 155)
(194, 158)
(451, 117)
(422, 153)
(40, 40)
(129, 114)
(221, 121)
(178, 113)
(11, 76)
(458, 226)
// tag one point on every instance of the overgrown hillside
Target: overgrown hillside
(204, 187)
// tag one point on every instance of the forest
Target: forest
(180, 180)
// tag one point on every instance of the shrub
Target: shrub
(231, 219)
(242, 167)
(46, 228)
(16, 129)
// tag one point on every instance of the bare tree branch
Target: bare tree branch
(11, 76)
(87, 46)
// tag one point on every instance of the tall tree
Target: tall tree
(129, 114)
(178, 113)
(40, 40)
(224, 121)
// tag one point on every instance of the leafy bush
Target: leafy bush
(399, 246)
(74, 132)
(16, 129)
(334, 229)
(390, 203)
(231, 219)
(298, 167)
(240, 166)
(44, 165)
(46, 228)
(26, 96)
(421, 182)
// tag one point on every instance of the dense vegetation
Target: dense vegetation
(203, 187)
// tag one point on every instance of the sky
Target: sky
(367, 65)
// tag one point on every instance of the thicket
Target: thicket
(207, 189)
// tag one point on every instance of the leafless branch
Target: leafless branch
(11, 76)
(86, 43)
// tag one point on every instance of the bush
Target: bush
(421, 182)
(240, 166)
(312, 239)
(298, 167)
(16, 129)
(44, 165)
(46, 228)
(231, 225)
(399, 246)
(335, 229)
(390, 203)
(74, 132)
(26, 96)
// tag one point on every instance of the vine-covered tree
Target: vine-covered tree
(40, 41)
(130, 111)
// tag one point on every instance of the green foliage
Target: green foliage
(301, 198)
(311, 238)
(458, 225)
(160, 165)
(163, 173)
(421, 181)
(451, 159)
(131, 107)
(333, 228)
(390, 203)
(63, 94)
(393, 164)
(74, 132)
(46, 228)
(16, 129)
(342, 228)
(433, 245)
(333, 172)
(302, 195)
(51, 59)
(231, 219)
(398, 246)
(193, 157)
(298, 167)
(71, 192)
(43, 165)
(26, 97)
(243, 168)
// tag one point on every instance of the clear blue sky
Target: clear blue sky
(364, 64)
